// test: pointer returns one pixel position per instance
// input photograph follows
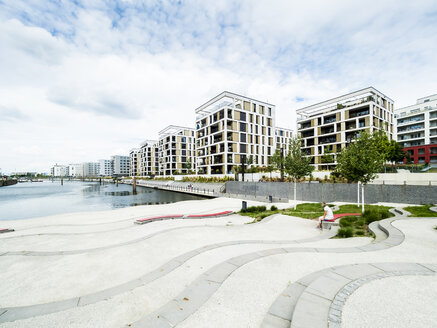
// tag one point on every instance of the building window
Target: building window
(243, 137)
(243, 148)
(242, 127)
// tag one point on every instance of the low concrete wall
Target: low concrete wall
(341, 192)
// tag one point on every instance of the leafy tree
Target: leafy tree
(278, 161)
(361, 160)
(328, 156)
(396, 153)
(270, 169)
(296, 164)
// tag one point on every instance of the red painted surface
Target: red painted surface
(337, 216)
(426, 154)
(160, 217)
(209, 215)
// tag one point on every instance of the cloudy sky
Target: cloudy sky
(84, 80)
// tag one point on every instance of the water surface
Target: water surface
(27, 200)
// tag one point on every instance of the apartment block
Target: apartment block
(59, 170)
(417, 129)
(91, 169)
(105, 167)
(120, 165)
(148, 158)
(231, 127)
(176, 147)
(329, 126)
(75, 170)
(133, 162)
(282, 139)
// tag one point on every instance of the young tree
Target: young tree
(278, 161)
(361, 160)
(296, 164)
(187, 166)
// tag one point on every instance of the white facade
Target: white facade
(133, 162)
(282, 138)
(329, 126)
(148, 158)
(120, 165)
(176, 150)
(417, 124)
(75, 170)
(91, 169)
(230, 128)
(105, 167)
(59, 170)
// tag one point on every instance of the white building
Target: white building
(417, 130)
(176, 150)
(148, 158)
(133, 162)
(417, 124)
(230, 128)
(282, 139)
(91, 169)
(105, 167)
(328, 126)
(75, 170)
(59, 170)
(120, 165)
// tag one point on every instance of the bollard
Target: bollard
(244, 206)
(62, 182)
(134, 185)
(270, 199)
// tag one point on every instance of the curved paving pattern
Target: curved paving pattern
(17, 313)
(201, 289)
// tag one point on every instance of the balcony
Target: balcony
(358, 112)
(327, 129)
(326, 140)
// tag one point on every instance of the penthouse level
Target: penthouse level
(329, 126)
(230, 128)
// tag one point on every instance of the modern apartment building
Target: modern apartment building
(282, 139)
(133, 162)
(148, 158)
(75, 170)
(417, 129)
(176, 150)
(230, 128)
(120, 165)
(59, 170)
(91, 169)
(105, 167)
(329, 126)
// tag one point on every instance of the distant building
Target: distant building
(417, 129)
(91, 169)
(105, 167)
(120, 165)
(148, 158)
(75, 170)
(176, 150)
(282, 139)
(329, 126)
(59, 171)
(133, 162)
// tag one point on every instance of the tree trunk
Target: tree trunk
(362, 197)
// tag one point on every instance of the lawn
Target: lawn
(421, 211)
(349, 226)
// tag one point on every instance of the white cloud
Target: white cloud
(82, 82)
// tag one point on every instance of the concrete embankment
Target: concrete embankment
(4, 183)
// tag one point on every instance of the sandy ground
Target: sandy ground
(241, 301)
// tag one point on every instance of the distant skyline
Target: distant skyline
(83, 80)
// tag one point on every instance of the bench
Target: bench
(158, 218)
(326, 224)
(6, 230)
(213, 215)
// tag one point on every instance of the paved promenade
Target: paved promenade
(100, 270)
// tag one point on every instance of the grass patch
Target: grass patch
(421, 211)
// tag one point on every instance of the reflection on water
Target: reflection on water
(26, 200)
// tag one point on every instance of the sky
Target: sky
(83, 80)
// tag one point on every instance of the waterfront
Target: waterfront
(28, 200)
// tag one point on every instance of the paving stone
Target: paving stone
(186, 256)
(271, 321)
(299, 250)
(339, 250)
(356, 271)
(110, 292)
(399, 267)
(24, 312)
(308, 279)
(327, 285)
(284, 305)
(431, 266)
(243, 259)
(153, 321)
(311, 311)
(220, 272)
(195, 295)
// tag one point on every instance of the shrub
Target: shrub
(254, 209)
(273, 208)
(345, 232)
(372, 215)
(359, 232)
(345, 223)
